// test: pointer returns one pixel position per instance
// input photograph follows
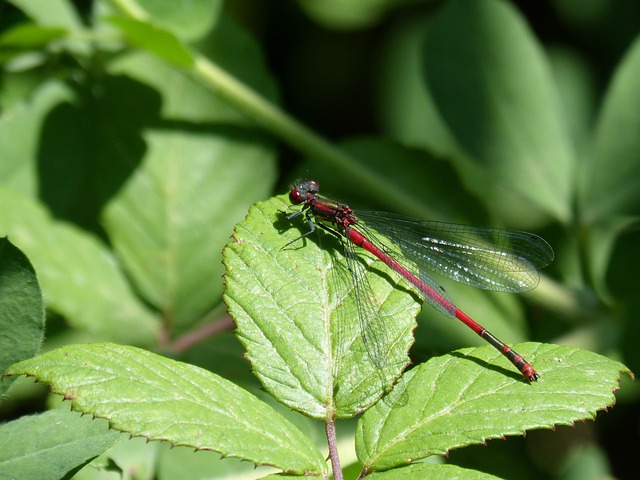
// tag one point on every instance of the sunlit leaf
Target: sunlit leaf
(155, 40)
(472, 395)
(297, 317)
(147, 395)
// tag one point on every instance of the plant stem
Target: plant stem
(202, 333)
(273, 119)
(330, 428)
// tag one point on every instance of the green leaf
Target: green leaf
(576, 84)
(354, 14)
(609, 178)
(296, 312)
(232, 48)
(21, 308)
(600, 241)
(187, 19)
(51, 445)
(421, 471)
(155, 39)
(185, 99)
(407, 108)
(147, 395)
(80, 277)
(494, 89)
(30, 36)
(170, 221)
(199, 174)
(21, 125)
(52, 13)
(472, 395)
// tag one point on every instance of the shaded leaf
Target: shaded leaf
(200, 172)
(609, 178)
(30, 36)
(170, 221)
(51, 445)
(147, 395)
(406, 105)
(472, 395)
(494, 89)
(354, 14)
(52, 13)
(80, 278)
(21, 308)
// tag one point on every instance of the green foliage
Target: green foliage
(53, 453)
(135, 134)
(148, 395)
(21, 308)
(498, 106)
(297, 317)
(463, 399)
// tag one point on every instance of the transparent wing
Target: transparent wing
(483, 257)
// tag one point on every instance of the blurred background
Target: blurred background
(123, 172)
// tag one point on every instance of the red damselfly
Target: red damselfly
(484, 257)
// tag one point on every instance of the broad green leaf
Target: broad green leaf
(79, 276)
(147, 395)
(154, 39)
(171, 219)
(198, 176)
(609, 180)
(407, 109)
(185, 99)
(29, 36)
(52, 445)
(354, 14)
(599, 242)
(472, 395)
(52, 13)
(77, 138)
(493, 87)
(420, 471)
(21, 308)
(578, 93)
(187, 19)
(296, 313)
(21, 124)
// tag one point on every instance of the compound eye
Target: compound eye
(295, 197)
